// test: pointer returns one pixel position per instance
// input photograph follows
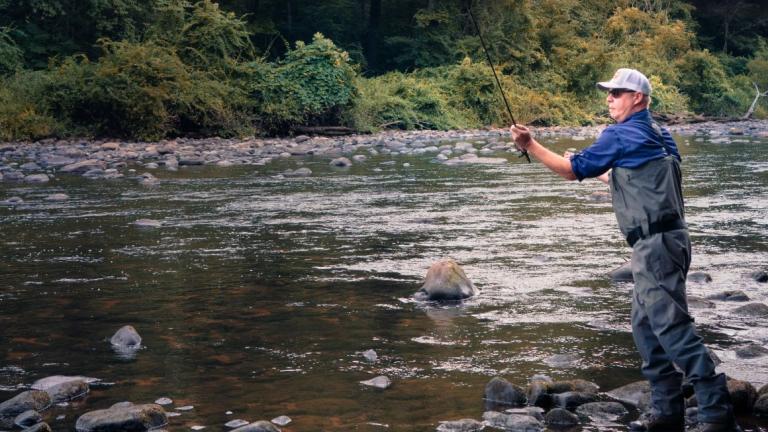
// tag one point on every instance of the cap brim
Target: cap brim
(607, 85)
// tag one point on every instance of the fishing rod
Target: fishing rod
(498, 83)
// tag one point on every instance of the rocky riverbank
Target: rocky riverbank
(39, 162)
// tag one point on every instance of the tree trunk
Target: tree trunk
(758, 95)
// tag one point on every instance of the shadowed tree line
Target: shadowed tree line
(159, 68)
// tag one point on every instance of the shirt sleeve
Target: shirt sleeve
(599, 157)
(670, 144)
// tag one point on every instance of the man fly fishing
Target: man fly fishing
(646, 190)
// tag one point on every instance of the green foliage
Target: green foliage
(312, 85)
(22, 117)
(11, 55)
(704, 81)
(667, 98)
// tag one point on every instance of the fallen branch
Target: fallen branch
(324, 130)
(758, 95)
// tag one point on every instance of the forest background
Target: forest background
(153, 69)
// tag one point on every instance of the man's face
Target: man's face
(622, 103)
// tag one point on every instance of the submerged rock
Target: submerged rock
(127, 337)
(501, 392)
(341, 162)
(696, 302)
(699, 277)
(27, 419)
(759, 276)
(446, 280)
(730, 296)
(259, 426)
(381, 382)
(513, 422)
(67, 391)
(573, 399)
(123, 418)
(602, 413)
(751, 350)
(148, 223)
(561, 418)
(752, 310)
(463, 425)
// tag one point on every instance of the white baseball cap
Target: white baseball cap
(629, 79)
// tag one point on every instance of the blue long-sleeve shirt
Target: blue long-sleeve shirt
(628, 144)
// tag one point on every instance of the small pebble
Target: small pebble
(164, 401)
(185, 408)
(235, 423)
(172, 414)
(281, 421)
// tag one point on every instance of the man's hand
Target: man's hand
(522, 137)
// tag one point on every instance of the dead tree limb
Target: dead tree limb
(758, 95)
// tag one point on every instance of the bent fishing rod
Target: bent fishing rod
(498, 83)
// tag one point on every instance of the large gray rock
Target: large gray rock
(29, 400)
(561, 418)
(67, 391)
(759, 276)
(446, 280)
(126, 336)
(37, 178)
(737, 295)
(54, 380)
(513, 422)
(637, 394)
(259, 426)
(752, 310)
(381, 382)
(602, 413)
(463, 425)
(501, 392)
(751, 350)
(27, 419)
(760, 408)
(133, 418)
(83, 166)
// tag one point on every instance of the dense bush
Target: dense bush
(22, 116)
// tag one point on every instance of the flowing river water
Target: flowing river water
(258, 294)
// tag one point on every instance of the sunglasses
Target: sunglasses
(618, 92)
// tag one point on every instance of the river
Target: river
(258, 294)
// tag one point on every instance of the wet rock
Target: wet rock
(55, 161)
(300, 172)
(57, 197)
(562, 360)
(67, 391)
(259, 426)
(151, 165)
(759, 276)
(743, 396)
(371, 355)
(30, 166)
(602, 413)
(533, 411)
(301, 138)
(187, 160)
(148, 223)
(12, 201)
(752, 350)
(236, 423)
(572, 399)
(164, 401)
(512, 422)
(83, 166)
(538, 394)
(473, 159)
(123, 418)
(13, 175)
(637, 394)
(37, 178)
(561, 418)
(126, 338)
(696, 302)
(29, 400)
(730, 296)
(54, 380)
(147, 179)
(463, 425)
(760, 408)
(699, 277)
(281, 420)
(758, 310)
(359, 158)
(341, 162)
(110, 146)
(446, 280)
(27, 418)
(40, 427)
(381, 382)
(499, 391)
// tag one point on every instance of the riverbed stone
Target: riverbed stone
(341, 162)
(760, 408)
(110, 146)
(759, 276)
(381, 382)
(83, 166)
(37, 178)
(55, 161)
(733, 295)
(123, 418)
(573, 399)
(30, 166)
(743, 396)
(512, 422)
(446, 280)
(300, 172)
(636, 394)
(13, 175)
(751, 350)
(39, 427)
(259, 426)
(699, 277)
(696, 302)
(282, 420)
(561, 418)
(57, 197)
(36, 400)
(758, 310)
(602, 413)
(236, 423)
(148, 223)
(191, 160)
(370, 355)
(463, 425)
(67, 391)
(499, 391)
(27, 418)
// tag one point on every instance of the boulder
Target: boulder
(446, 280)
(281, 420)
(29, 400)
(123, 418)
(341, 162)
(636, 394)
(463, 425)
(501, 392)
(622, 273)
(763, 391)
(696, 302)
(83, 166)
(67, 391)
(573, 399)
(760, 408)
(259, 426)
(513, 422)
(126, 337)
(759, 310)
(561, 418)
